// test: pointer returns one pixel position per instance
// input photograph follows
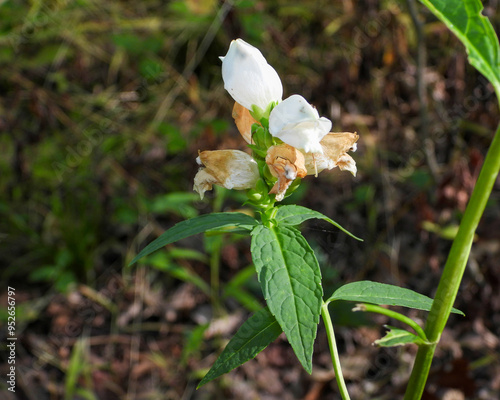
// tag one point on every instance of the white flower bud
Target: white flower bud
(298, 124)
(248, 78)
(232, 169)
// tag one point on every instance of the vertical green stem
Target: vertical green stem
(333, 350)
(454, 269)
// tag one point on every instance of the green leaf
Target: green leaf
(179, 203)
(246, 299)
(293, 215)
(254, 336)
(290, 278)
(162, 262)
(196, 225)
(397, 337)
(236, 288)
(77, 364)
(384, 294)
(193, 342)
(464, 19)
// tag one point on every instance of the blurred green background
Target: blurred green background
(103, 108)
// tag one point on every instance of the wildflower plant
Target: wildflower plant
(289, 140)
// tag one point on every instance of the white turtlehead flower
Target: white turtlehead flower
(298, 124)
(248, 78)
(232, 169)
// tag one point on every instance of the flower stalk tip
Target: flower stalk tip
(288, 138)
(248, 78)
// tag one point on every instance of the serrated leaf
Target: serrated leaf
(397, 337)
(254, 336)
(384, 294)
(290, 278)
(464, 19)
(196, 225)
(293, 215)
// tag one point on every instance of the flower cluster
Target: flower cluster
(288, 138)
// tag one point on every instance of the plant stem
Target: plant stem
(454, 269)
(325, 314)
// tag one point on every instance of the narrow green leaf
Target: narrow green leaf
(193, 342)
(464, 19)
(384, 294)
(196, 225)
(293, 215)
(397, 337)
(236, 288)
(162, 262)
(290, 277)
(254, 336)
(246, 299)
(75, 367)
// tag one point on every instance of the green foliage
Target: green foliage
(194, 342)
(397, 337)
(294, 215)
(253, 336)
(475, 31)
(291, 283)
(177, 203)
(165, 262)
(448, 232)
(383, 294)
(237, 288)
(79, 371)
(196, 225)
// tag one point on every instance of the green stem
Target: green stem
(454, 269)
(392, 314)
(325, 314)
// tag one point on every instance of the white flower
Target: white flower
(232, 169)
(248, 78)
(298, 124)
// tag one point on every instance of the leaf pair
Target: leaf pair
(287, 269)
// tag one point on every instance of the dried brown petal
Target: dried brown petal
(335, 147)
(232, 169)
(347, 163)
(286, 163)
